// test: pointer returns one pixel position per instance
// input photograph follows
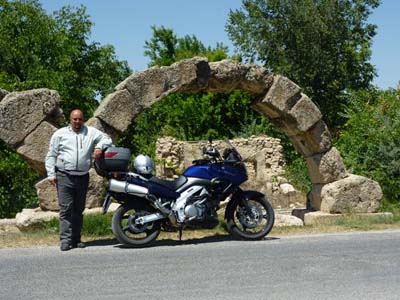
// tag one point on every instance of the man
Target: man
(67, 163)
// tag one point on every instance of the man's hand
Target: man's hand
(52, 181)
(97, 153)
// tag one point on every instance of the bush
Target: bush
(17, 190)
(369, 141)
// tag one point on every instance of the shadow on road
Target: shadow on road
(171, 242)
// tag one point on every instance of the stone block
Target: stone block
(315, 140)
(326, 167)
(306, 113)
(320, 218)
(228, 75)
(36, 145)
(118, 110)
(22, 112)
(104, 127)
(157, 82)
(282, 95)
(314, 196)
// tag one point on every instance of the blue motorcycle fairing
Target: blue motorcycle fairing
(221, 170)
(161, 191)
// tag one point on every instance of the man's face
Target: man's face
(76, 120)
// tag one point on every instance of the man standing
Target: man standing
(67, 163)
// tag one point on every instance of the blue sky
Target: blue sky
(127, 25)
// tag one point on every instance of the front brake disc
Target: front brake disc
(251, 220)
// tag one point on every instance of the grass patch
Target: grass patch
(97, 227)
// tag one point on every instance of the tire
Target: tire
(245, 227)
(128, 233)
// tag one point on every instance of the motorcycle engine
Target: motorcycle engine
(200, 212)
(196, 209)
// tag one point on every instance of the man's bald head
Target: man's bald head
(76, 120)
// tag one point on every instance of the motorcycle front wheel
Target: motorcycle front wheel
(128, 232)
(252, 221)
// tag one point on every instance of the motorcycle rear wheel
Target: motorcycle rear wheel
(130, 234)
(251, 226)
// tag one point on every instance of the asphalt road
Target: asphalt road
(333, 266)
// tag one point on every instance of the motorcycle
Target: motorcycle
(150, 204)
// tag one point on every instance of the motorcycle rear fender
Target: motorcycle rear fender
(241, 196)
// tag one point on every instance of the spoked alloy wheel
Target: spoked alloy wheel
(128, 232)
(252, 222)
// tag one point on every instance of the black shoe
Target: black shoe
(65, 247)
(78, 245)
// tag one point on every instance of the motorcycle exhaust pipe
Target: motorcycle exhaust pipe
(125, 187)
(149, 218)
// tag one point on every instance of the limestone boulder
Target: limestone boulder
(47, 193)
(35, 146)
(96, 191)
(22, 112)
(282, 220)
(31, 218)
(356, 194)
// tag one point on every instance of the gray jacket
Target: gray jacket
(72, 152)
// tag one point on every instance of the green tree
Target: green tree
(39, 50)
(323, 45)
(165, 48)
(52, 51)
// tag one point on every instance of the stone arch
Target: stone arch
(276, 97)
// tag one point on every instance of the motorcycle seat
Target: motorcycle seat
(171, 184)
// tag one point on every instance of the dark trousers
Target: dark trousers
(71, 192)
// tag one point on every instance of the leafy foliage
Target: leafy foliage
(165, 48)
(369, 140)
(193, 117)
(17, 189)
(324, 46)
(38, 50)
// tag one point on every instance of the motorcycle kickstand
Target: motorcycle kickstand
(180, 229)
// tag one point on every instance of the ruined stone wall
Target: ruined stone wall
(262, 156)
